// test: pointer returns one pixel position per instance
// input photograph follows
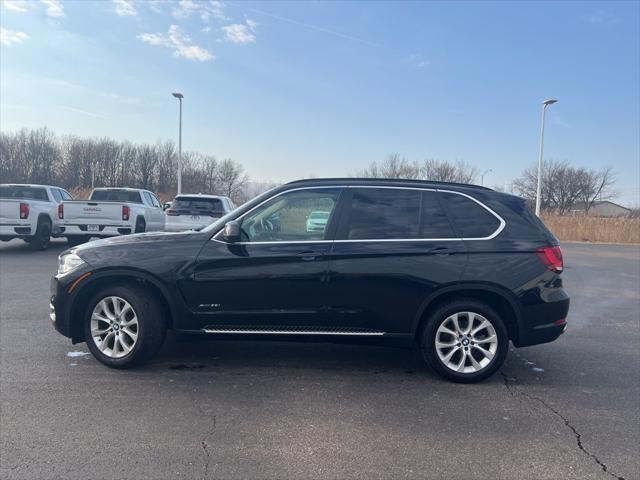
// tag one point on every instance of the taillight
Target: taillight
(61, 211)
(552, 258)
(126, 211)
(171, 213)
(24, 210)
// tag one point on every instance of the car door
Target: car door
(394, 246)
(276, 275)
(153, 210)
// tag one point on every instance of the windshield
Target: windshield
(116, 196)
(26, 193)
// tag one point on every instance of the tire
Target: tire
(41, 239)
(141, 226)
(150, 328)
(76, 240)
(477, 365)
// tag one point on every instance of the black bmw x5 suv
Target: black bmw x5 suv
(459, 270)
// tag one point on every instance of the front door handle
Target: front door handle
(308, 256)
(443, 251)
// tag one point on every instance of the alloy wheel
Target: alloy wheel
(466, 342)
(114, 326)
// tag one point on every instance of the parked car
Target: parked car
(30, 212)
(193, 212)
(317, 221)
(460, 270)
(110, 212)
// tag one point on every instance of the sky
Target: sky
(298, 89)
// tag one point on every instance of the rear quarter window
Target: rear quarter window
(469, 218)
(384, 214)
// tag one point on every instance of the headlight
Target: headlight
(69, 262)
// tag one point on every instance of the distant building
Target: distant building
(602, 209)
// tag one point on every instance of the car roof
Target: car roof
(200, 195)
(385, 182)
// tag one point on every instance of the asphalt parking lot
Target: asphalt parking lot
(212, 409)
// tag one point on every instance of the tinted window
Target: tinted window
(65, 195)
(116, 196)
(384, 213)
(433, 219)
(470, 219)
(56, 195)
(24, 193)
(197, 203)
(156, 202)
(147, 197)
(287, 217)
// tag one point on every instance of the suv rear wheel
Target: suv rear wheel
(124, 326)
(465, 341)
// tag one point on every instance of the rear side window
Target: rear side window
(23, 193)
(469, 218)
(384, 213)
(65, 195)
(116, 196)
(433, 219)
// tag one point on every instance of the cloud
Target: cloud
(16, 5)
(240, 33)
(181, 44)
(54, 8)
(602, 18)
(418, 61)
(125, 8)
(82, 112)
(204, 9)
(559, 122)
(11, 37)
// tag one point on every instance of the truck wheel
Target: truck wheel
(76, 240)
(140, 225)
(40, 240)
(124, 326)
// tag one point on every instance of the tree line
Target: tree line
(73, 162)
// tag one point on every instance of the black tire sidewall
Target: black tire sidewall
(141, 226)
(151, 328)
(427, 341)
(42, 237)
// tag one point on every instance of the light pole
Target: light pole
(545, 104)
(179, 96)
(482, 176)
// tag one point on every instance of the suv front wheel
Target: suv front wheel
(465, 341)
(124, 326)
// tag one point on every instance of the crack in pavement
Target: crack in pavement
(513, 391)
(205, 445)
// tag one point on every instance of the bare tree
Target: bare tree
(443, 171)
(596, 185)
(393, 166)
(231, 178)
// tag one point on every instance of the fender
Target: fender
(133, 273)
(486, 287)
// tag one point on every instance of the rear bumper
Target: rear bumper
(545, 321)
(171, 225)
(103, 230)
(16, 229)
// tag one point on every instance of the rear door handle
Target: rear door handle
(443, 251)
(308, 256)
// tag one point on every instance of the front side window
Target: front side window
(384, 213)
(301, 215)
(65, 195)
(56, 195)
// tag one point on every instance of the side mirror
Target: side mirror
(166, 206)
(231, 231)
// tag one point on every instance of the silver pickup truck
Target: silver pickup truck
(30, 212)
(110, 212)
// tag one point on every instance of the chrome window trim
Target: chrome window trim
(289, 332)
(453, 239)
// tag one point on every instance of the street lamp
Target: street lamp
(179, 96)
(545, 104)
(482, 176)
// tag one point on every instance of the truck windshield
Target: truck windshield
(116, 196)
(23, 193)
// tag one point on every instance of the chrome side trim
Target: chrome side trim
(490, 237)
(290, 332)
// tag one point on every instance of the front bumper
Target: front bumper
(63, 292)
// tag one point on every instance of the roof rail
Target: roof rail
(390, 180)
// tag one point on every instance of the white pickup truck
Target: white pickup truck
(30, 212)
(110, 212)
